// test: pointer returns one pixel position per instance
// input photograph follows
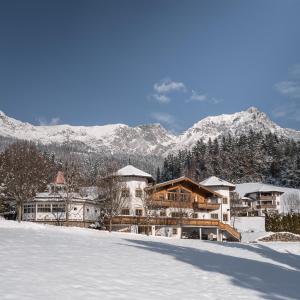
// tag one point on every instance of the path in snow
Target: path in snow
(45, 262)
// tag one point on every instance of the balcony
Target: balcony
(266, 206)
(207, 206)
(156, 203)
(266, 197)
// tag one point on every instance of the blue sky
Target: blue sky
(174, 62)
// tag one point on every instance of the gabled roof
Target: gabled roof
(130, 170)
(245, 189)
(186, 180)
(215, 181)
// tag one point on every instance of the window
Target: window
(162, 213)
(214, 216)
(58, 208)
(176, 214)
(161, 197)
(87, 209)
(225, 217)
(195, 216)
(125, 211)
(96, 211)
(225, 201)
(125, 193)
(138, 212)
(174, 231)
(44, 208)
(179, 195)
(75, 208)
(138, 193)
(29, 208)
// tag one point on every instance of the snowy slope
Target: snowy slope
(143, 139)
(52, 263)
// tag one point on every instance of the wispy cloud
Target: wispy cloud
(294, 71)
(166, 86)
(163, 118)
(288, 88)
(44, 122)
(161, 98)
(198, 97)
(289, 111)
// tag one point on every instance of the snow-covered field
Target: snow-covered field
(45, 262)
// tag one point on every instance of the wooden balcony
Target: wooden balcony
(165, 221)
(156, 203)
(266, 206)
(264, 197)
(206, 206)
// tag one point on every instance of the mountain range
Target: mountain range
(152, 139)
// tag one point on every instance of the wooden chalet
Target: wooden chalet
(181, 208)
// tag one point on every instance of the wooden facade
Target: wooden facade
(175, 204)
(183, 193)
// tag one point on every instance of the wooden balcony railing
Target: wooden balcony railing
(207, 206)
(165, 221)
(264, 197)
(170, 203)
(266, 206)
(155, 203)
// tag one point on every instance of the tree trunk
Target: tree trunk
(19, 212)
(67, 214)
(110, 224)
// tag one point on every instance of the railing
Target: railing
(208, 206)
(264, 197)
(266, 206)
(171, 203)
(136, 220)
(230, 230)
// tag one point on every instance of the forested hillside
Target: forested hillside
(255, 157)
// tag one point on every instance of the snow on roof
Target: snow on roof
(132, 171)
(215, 181)
(254, 187)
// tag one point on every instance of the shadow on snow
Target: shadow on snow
(270, 280)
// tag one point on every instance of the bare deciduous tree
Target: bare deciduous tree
(291, 203)
(113, 195)
(24, 171)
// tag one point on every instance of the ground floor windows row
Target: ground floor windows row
(49, 208)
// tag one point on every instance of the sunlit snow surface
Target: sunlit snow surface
(45, 262)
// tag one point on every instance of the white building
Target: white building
(266, 197)
(176, 208)
(224, 188)
(56, 204)
(135, 181)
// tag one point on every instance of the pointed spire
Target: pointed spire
(59, 178)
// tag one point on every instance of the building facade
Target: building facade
(60, 207)
(178, 208)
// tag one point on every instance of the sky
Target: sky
(174, 62)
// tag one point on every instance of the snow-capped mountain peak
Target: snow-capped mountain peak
(151, 139)
(235, 124)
